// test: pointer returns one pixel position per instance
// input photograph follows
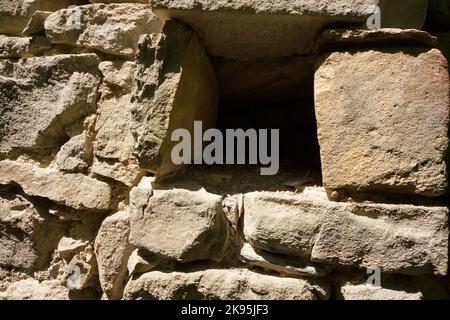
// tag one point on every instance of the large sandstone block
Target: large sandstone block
(74, 190)
(403, 239)
(15, 14)
(175, 85)
(250, 29)
(43, 96)
(112, 250)
(383, 120)
(216, 284)
(182, 222)
(114, 29)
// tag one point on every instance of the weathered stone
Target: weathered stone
(43, 96)
(181, 221)
(15, 47)
(282, 264)
(138, 264)
(114, 139)
(403, 239)
(31, 289)
(370, 292)
(74, 155)
(15, 14)
(127, 173)
(68, 247)
(336, 39)
(74, 190)
(119, 1)
(397, 238)
(249, 29)
(114, 29)
(82, 272)
(112, 250)
(114, 142)
(390, 133)
(283, 223)
(174, 86)
(36, 23)
(118, 73)
(232, 284)
(28, 234)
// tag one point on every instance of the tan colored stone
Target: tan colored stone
(43, 96)
(370, 292)
(36, 23)
(138, 264)
(231, 284)
(118, 73)
(31, 289)
(249, 29)
(74, 155)
(74, 190)
(283, 223)
(287, 266)
(68, 247)
(110, 28)
(336, 39)
(404, 239)
(383, 120)
(15, 14)
(179, 221)
(82, 272)
(28, 235)
(16, 47)
(166, 99)
(113, 250)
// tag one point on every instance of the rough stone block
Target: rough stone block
(383, 120)
(250, 29)
(175, 85)
(182, 222)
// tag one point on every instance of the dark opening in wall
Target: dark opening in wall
(272, 94)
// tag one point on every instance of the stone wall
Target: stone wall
(93, 207)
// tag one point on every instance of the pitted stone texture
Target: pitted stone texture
(42, 96)
(114, 29)
(175, 85)
(74, 190)
(31, 289)
(282, 222)
(370, 292)
(28, 235)
(114, 142)
(15, 14)
(112, 250)
(383, 120)
(74, 155)
(17, 47)
(182, 222)
(251, 29)
(402, 239)
(231, 284)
